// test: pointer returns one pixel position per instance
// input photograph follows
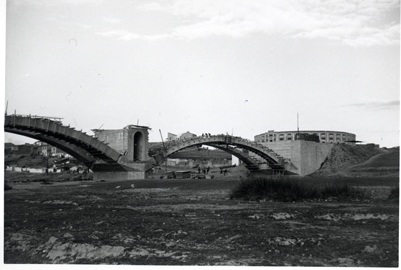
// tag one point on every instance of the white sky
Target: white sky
(207, 66)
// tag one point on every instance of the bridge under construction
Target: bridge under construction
(122, 154)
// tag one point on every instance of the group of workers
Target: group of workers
(206, 170)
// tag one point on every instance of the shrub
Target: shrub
(290, 190)
(394, 194)
(7, 186)
(340, 191)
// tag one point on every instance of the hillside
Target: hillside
(348, 160)
(385, 164)
(27, 161)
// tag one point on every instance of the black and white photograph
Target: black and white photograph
(231, 133)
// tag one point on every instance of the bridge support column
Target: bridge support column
(118, 172)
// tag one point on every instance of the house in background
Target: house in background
(48, 150)
(181, 136)
(171, 137)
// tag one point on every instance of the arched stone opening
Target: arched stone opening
(138, 146)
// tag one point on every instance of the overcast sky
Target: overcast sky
(242, 67)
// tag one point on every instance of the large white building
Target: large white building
(325, 136)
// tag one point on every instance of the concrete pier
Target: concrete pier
(304, 157)
(132, 143)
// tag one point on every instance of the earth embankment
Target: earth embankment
(349, 160)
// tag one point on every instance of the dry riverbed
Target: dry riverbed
(193, 222)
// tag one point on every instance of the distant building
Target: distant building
(181, 136)
(48, 150)
(171, 137)
(314, 135)
(36, 149)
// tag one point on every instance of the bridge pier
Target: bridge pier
(132, 143)
(119, 172)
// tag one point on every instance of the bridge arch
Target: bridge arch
(250, 162)
(138, 140)
(223, 142)
(86, 149)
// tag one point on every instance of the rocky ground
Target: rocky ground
(193, 222)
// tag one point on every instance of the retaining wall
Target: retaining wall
(305, 157)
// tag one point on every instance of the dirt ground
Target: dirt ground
(193, 222)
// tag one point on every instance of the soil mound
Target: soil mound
(343, 156)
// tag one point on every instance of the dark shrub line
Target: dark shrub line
(394, 194)
(290, 190)
(7, 186)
